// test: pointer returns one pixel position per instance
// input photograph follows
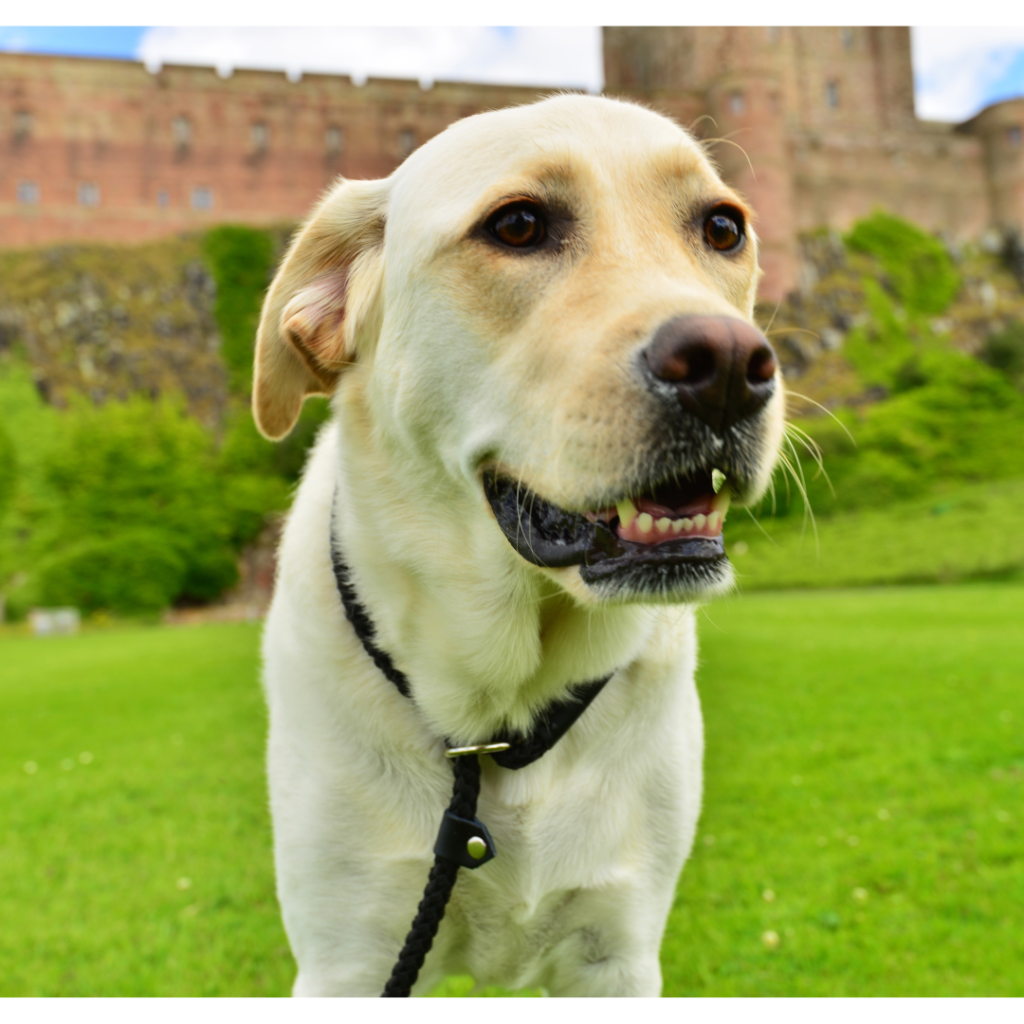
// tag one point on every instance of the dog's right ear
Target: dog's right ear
(322, 293)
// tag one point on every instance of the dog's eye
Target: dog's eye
(520, 225)
(724, 228)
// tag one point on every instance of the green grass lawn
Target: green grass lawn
(147, 870)
(965, 532)
(863, 803)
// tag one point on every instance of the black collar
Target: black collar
(551, 725)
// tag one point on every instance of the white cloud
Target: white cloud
(955, 68)
(559, 57)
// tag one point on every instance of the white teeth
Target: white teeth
(717, 479)
(722, 500)
(644, 522)
(627, 512)
(700, 520)
(714, 521)
(687, 525)
(677, 525)
(663, 524)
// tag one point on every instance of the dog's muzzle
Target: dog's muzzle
(710, 379)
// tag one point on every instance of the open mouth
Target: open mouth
(667, 538)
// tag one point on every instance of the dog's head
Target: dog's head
(550, 307)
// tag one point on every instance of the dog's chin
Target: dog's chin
(597, 547)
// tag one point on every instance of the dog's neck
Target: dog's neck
(485, 639)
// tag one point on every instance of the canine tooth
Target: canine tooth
(677, 525)
(644, 522)
(663, 524)
(627, 512)
(700, 520)
(717, 479)
(714, 520)
(722, 500)
(687, 524)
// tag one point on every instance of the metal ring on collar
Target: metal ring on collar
(481, 748)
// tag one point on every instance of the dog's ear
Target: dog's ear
(321, 296)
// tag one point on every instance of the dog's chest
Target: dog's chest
(573, 873)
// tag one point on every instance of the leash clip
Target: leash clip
(480, 748)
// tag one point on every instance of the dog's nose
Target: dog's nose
(723, 369)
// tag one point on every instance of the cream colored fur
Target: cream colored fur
(444, 355)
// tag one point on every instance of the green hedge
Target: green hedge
(241, 261)
(8, 469)
(133, 571)
(147, 509)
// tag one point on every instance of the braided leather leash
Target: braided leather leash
(463, 840)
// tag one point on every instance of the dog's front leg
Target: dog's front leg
(348, 881)
(616, 954)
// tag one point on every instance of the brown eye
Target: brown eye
(519, 226)
(724, 228)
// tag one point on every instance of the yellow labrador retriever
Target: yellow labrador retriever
(546, 389)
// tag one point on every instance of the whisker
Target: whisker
(771, 320)
(757, 523)
(801, 483)
(706, 143)
(828, 412)
(815, 452)
(703, 117)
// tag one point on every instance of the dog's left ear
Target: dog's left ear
(320, 299)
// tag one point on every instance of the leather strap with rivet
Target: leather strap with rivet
(463, 840)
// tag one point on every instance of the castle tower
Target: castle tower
(826, 118)
(1001, 130)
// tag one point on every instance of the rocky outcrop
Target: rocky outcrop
(106, 321)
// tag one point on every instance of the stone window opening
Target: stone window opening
(88, 194)
(259, 136)
(832, 94)
(28, 193)
(163, 199)
(202, 198)
(846, 38)
(406, 142)
(737, 103)
(181, 130)
(334, 140)
(22, 125)
(1013, 136)
(772, 33)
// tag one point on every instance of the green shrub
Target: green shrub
(134, 571)
(246, 450)
(149, 466)
(1004, 351)
(880, 347)
(918, 266)
(960, 421)
(8, 469)
(240, 260)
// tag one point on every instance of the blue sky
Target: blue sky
(81, 42)
(957, 70)
(1011, 83)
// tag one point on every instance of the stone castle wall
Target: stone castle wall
(104, 150)
(817, 128)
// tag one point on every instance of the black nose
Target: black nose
(723, 370)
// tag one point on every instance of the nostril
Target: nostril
(688, 364)
(762, 365)
(702, 366)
